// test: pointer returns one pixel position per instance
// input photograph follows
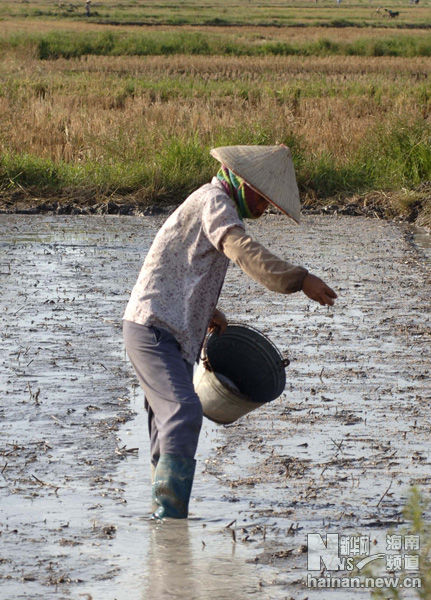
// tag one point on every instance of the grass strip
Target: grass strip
(54, 45)
(392, 156)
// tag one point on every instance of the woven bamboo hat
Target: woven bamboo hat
(268, 170)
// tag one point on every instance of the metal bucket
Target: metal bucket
(239, 371)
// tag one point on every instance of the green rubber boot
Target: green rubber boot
(154, 506)
(172, 486)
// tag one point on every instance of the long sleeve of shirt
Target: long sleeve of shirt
(259, 263)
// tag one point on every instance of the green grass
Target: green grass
(68, 45)
(415, 511)
(389, 158)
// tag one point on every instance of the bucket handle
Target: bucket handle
(285, 362)
(206, 363)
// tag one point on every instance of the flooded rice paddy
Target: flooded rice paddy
(337, 452)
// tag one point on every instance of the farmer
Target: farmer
(173, 302)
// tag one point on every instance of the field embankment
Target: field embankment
(116, 120)
(241, 13)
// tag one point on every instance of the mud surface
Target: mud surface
(337, 452)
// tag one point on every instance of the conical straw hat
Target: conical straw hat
(267, 169)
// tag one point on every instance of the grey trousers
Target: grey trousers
(174, 409)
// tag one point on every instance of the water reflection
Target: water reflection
(170, 558)
(194, 558)
(422, 239)
(180, 566)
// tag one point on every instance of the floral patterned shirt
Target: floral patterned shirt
(183, 273)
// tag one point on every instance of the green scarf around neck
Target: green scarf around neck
(238, 190)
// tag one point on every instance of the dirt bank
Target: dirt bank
(406, 206)
(337, 452)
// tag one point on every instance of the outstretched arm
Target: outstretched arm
(259, 263)
(271, 271)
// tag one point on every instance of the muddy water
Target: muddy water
(74, 483)
(422, 241)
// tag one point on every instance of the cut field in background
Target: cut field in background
(240, 12)
(95, 112)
